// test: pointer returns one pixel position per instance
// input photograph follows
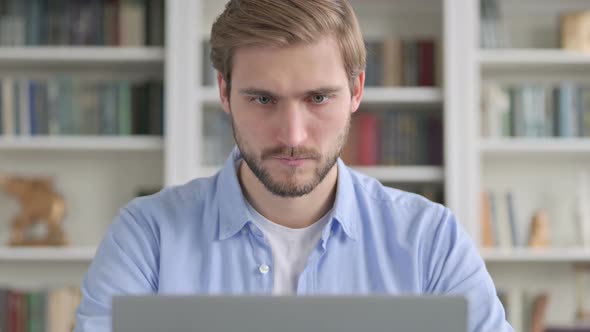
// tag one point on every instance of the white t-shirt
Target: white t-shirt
(291, 248)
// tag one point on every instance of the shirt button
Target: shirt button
(264, 269)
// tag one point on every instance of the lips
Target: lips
(290, 161)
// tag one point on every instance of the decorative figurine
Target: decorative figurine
(539, 234)
(39, 203)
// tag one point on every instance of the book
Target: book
(392, 62)
(62, 106)
(425, 50)
(495, 105)
(512, 218)
(368, 139)
(410, 57)
(4, 294)
(349, 151)
(586, 111)
(132, 21)
(564, 104)
(505, 239)
(487, 235)
(8, 109)
(61, 306)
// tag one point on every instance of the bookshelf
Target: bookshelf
(541, 172)
(97, 173)
(101, 173)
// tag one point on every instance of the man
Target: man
(285, 215)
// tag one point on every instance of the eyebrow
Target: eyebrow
(319, 91)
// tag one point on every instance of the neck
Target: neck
(292, 212)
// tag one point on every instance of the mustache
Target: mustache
(290, 152)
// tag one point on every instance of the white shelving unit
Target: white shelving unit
(97, 175)
(540, 172)
(471, 162)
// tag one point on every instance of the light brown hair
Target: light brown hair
(282, 23)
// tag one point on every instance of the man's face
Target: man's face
(290, 110)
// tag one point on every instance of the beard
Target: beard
(291, 187)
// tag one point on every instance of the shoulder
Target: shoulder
(401, 215)
(371, 191)
(172, 204)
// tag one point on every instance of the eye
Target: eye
(262, 100)
(319, 99)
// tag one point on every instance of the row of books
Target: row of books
(64, 106)
(401, 62)
(390, 62)
(492, 32)
(394, 138)
(500, 224)
(41, 310)
(536, 110)
(375, 138)
(502, 221)
(82, 22)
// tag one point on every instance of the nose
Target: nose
(293, 127)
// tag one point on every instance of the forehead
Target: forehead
(292, 67)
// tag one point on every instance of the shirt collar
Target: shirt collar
(233, 211)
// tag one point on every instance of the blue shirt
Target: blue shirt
(199, 238)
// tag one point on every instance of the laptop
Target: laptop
(197, 313)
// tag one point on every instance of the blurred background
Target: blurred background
(481, 105)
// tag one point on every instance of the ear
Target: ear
(222, 84)
(357, 91)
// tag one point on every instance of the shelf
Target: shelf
(92, 55)
(372, 95)
(403, 173)
(541, 58)
(536, 255)
(499, 146)
(382, 173)
(82, 143)
(47, 254)
(402, 95)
